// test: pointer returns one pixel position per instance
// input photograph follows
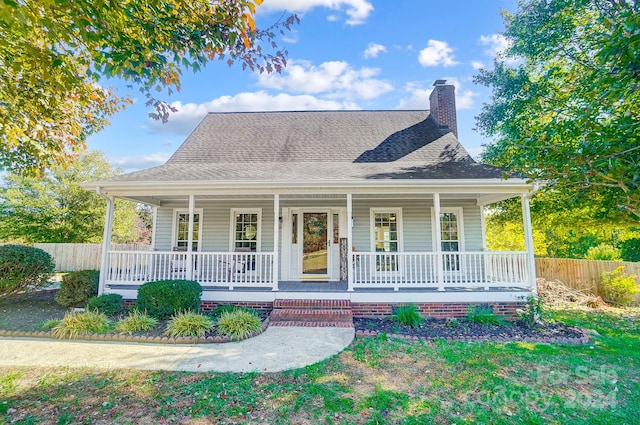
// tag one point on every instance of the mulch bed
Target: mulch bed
(463, 330)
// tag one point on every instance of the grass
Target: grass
(374, 381)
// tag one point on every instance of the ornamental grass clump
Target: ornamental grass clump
(407, 315)
(188, 323)
(238, 324)
(74, 324)
(135, 322)
(482, 315)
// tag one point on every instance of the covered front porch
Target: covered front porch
(400, 242)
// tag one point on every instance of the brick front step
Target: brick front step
(312, 304)
(320, 313)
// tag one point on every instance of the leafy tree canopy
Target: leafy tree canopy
(566, 99)
(54, 208)
(53, 54)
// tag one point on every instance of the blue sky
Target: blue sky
(344, 54)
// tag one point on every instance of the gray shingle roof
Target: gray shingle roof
(331, 145)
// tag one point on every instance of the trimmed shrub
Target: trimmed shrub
(109, 304)
(136, 322)
(77, 287)
(164, 298)
(603, 252)
(73, 325)
(407, 315)
(618, 287)
(630, 249)
(23, 269)
(188, 323)
(218, 311)
(238, 324)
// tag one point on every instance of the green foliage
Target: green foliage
(630, 249)
(136, 322)
(618, 287)
(23, 269)
(54, 208)
(164, 298)
(603, 252)
(219, 310)
(509, 236)
(73, 324)
(77, 287)
(565, 101)
(238, 324)
(49, 324)
(407, 315)
(56, 56)
(482, 314)
(188, 323)
(533, 313)
(109, 304)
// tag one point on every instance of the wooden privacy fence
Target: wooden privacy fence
(82, 256)
(582, 275)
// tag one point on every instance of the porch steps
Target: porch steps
(312, 313)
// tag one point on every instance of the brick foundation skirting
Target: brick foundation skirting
(434, 310)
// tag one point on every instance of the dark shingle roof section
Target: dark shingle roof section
(323, 146)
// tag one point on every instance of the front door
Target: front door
(315, 244)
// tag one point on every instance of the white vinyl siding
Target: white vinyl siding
(416, 220)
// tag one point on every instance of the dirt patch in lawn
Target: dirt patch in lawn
(27, 312)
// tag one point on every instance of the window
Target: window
(181, 229)
(246, 230)
(386, 237)
(451, 237)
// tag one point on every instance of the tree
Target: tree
(54, 54)
(566, 99)
(54, 208)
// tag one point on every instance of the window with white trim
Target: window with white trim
(451, 237)
(246, 230)
(181, 229)
(386, 237)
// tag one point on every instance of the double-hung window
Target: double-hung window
(181, 229)
(451, 237)
(386, 238)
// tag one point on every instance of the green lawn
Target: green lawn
(375, 381)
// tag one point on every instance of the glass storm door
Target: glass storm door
(314, 244)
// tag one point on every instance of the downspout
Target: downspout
(528, 236)
(106, 239)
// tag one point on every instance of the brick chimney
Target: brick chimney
(442, 103)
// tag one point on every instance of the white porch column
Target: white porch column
(192, 208)
(528, 239)
(106, 242)
(438, 239)
(350, 242)
(276, 241)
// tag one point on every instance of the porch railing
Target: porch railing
(420, 269)
(230, 269)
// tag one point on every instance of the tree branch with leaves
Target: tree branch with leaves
(565, 106)
(54, 54)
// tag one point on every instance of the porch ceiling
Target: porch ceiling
(480, 198)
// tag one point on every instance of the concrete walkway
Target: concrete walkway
(276, 349)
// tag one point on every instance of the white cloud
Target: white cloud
(335, 79)
(357, 10)
(373, 50)
(496, 44)
(418, 97)
(436, 53)
(141, 161)
(477, 64)
(189, 115)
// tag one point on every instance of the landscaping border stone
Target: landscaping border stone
(218, 339)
